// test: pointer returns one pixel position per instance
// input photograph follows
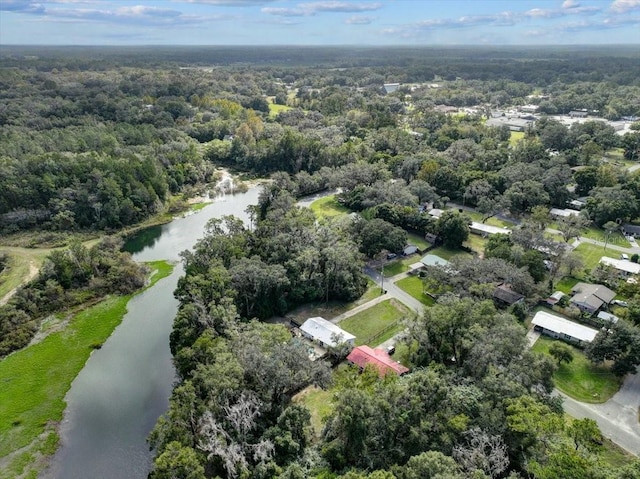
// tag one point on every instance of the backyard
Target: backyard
(376, 324)
(328, 207)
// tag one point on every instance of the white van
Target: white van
(624, 257)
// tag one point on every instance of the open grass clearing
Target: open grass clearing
(328, 207)
(400, 265)
(476, 243)
(36, 379)
(22, 266)
(493, 221)
(376, 324)
(275, 109)
(515, 137)
(580, 379)
(591, 254)
(413, 286)
(448, 253)
(319, 403)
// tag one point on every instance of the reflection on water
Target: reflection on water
(117, 398)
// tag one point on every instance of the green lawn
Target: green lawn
(515, 137)
(368, 324)
(616, 238)
(591, 254)
(566, 284)
(320, 404)
(413, 285)
(399, 265)
(418, 241)
(493, 221)
(580, 379)
(327, 207)
(476, 243)
(448, 253)
(275, 109)
(35, 379)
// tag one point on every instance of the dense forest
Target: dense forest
(97, 139)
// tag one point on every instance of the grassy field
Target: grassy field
(320, 404)
(400, 265)
(23, 264)
(36, 379)
(493, 221)
(515, 137)
(476, 243)
(591, 254)
(566, 284)
(327, 207)
(413, 286)
(447, 253)
(580, 379)
(275, 109)
(371, 322)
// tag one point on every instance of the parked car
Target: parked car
(620, 302)
(391, 350)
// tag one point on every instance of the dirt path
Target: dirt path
(33, 272)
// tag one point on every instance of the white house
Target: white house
(325, 332)
(561, 328)
(625, 267)
(487, 230)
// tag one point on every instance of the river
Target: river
(125, 386)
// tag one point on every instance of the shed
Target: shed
(555, 297)
(608, 317)
(561, 328)
(391, 87)
(325, 332)
(362, 356)
(435, 212)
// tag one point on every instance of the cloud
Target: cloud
(21, 6)
(229, 3)
(570, 4)
(623, 6)
(309, 9)
(359, 20)
(340, 7)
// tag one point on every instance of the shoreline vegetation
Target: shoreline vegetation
(35, 379)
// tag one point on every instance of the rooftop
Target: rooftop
(378, 358)
(434, 260)
(487, 229)
(600, 291)
(621, 264)
(560, 325)
(325, 331)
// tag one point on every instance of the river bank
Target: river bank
(36, 379)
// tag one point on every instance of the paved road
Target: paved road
(617, 418)
(394, 291)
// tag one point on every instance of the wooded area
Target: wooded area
(99, 139)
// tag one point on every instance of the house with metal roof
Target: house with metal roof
(561, 328)
(624, 266)
(362, 356)
(591, 297)
(325, 332)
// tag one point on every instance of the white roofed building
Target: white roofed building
(625, 267)
(325, 332)
(561, 328)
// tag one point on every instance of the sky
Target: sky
(319, 22)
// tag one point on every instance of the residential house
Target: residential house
(504, 296)
(631, 230)
(325, 332)
(410, 249)
(563, 213)
(362, 356)
(590, 298)
(487, 230)
(625, 267)
(561, 328)
(578, 113)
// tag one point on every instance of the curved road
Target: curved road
(617, 418)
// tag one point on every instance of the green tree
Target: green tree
(177, 462)
(453, 228)
(377, 235)
(561, 352)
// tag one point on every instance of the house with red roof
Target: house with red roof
(362, 356)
